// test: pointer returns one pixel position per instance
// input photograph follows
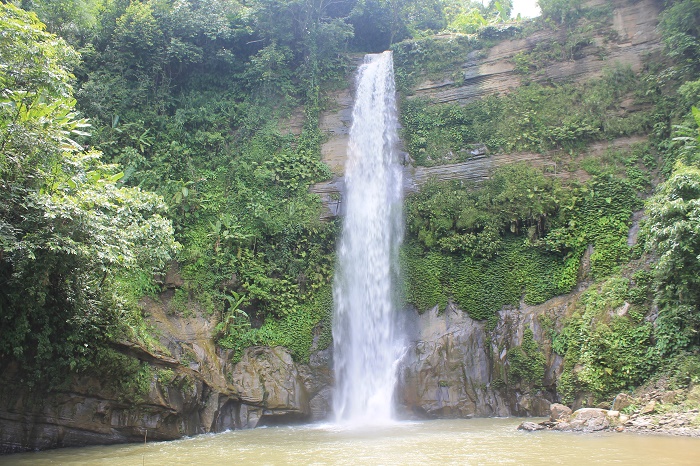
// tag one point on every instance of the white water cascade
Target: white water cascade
(367, 346)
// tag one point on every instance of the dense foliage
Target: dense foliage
(536, 117)
(70, 232)
(607, 344)
(496, 244)
(519, 235)
(206, 116)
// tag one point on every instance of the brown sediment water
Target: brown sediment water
(444, 442)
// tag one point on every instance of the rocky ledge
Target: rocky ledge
(647, 414)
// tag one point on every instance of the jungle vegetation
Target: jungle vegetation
(135, 133)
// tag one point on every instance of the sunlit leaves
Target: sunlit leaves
(68, 229)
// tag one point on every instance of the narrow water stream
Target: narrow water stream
(443, 442)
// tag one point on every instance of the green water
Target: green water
(444, 442)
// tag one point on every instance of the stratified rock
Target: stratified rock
(629, 37)
(89, 412)
(559, 412)
(494, 72)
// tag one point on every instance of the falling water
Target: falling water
(366, 344)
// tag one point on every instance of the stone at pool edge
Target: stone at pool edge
(531, 426)
(581, 420)
(559, 412)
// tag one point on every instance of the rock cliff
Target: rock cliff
(457, 367)
(628, 37)
(193, 387)
(454, 367)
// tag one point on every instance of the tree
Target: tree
(69, 232)
(561, 11)
(73, 20)
(673, 232)
(680, 24)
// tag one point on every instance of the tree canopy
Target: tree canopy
(69, 230)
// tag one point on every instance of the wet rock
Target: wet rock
(90, 412)
(563, 426)
(559, 412)
(531, 426)
(269, 377)
(590, 420)
(455, 367)
(318, 380)
(249, 416)
(190, 393)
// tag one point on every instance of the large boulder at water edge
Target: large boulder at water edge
(268, 377)
(559, 412)
(531, 426)
(590, 420)
(582, 420)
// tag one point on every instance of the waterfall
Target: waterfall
(367, 346)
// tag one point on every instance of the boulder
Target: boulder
(649, 408)
(559, 412)
(590, 420)
(531, 426)
(562, 425)
(622, 401)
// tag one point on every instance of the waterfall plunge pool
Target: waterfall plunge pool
(444, 442)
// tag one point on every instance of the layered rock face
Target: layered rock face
(195, 388)
(89, 412)
(629, 39)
